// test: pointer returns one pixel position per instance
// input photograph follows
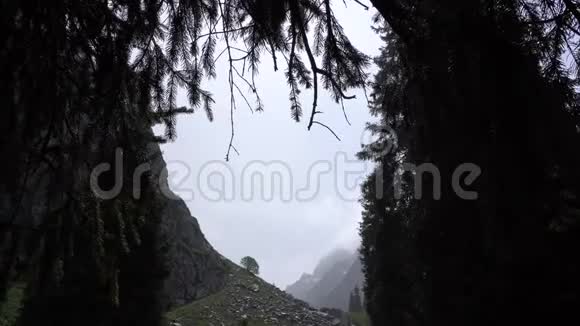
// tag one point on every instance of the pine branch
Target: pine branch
(573, 8)
(362, 4)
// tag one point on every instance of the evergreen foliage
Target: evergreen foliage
(355, 301)
(81, 79)
(482, 82)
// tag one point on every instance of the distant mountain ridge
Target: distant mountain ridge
(331, 282)
(338, 297)
(300, 288)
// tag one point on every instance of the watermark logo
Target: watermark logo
(216, 181)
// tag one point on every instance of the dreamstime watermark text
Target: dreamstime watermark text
(218, 181)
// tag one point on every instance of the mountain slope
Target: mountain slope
(247, 297)
(195, 269)
(332, 281)
(339, 296)
(303, 288)
(328, 262)
(300, 288)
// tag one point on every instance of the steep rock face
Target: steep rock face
(339, 296)
(196, 270)
(327, 263)
(314, 287)
(332, 281)
(300, 288)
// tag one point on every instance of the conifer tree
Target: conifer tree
(481, 82)
(456, 105)
(355, 301)
(82, 79)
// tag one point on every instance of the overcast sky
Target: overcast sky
(289, 233)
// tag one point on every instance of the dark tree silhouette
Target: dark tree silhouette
(483, 82)
(81, 79)
(355, 301)
(480, 82)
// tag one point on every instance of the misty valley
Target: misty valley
(290, 162)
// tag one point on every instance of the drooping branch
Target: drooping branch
(231, 83)
(362, 4)
(300, 24)
(329, 129)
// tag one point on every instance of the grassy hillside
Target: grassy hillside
(248, 300)
(359, 319)
(10, 309)
(245, 300)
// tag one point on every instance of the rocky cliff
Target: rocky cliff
(339, 296)
(304, 288)
(196, 270)
(331, 282)
(300, 288)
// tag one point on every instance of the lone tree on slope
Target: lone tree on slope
(251, 265)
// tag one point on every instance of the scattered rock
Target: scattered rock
(246, 297)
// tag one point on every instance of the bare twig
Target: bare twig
(224, 31)
(362, 4)
(327, 127)
(244, 97)
(235, 150)
(344, 112)
(231, 81)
